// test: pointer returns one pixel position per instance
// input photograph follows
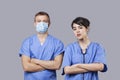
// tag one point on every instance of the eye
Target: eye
(74, 29)
(45, 21)
(80, 27)
(38, 21)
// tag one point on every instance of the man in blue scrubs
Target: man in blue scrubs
(41, 54)
(83, 58)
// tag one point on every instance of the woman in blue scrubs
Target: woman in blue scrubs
(41, 54)
(83, 58)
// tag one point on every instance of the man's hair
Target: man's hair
(42, 13)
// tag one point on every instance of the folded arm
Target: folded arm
(82, 68)
(50, 64)
(74, 69)
(28, 66)
(92, 66)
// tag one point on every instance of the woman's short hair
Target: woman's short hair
(81, 21)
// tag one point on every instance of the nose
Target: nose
(77, 31)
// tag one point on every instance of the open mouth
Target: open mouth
(78, 35)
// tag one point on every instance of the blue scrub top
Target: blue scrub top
(73, 55)
(48, 51)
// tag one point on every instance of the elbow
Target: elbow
(26, 68)
(100, 67)
(104, 68)
(57, 67)
(66, 70)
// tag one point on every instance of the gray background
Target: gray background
(16, 23)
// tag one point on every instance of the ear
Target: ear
(88, 29)
(48, 24)
(34, 23)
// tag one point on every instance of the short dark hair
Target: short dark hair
(81, 21)
(42, 13)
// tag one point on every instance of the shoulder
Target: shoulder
(29, 39)
(71, 45)
(55, 40)
(97, 45)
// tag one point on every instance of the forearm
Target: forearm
(28, 66)
(31, 67)
(48, 64)
(74, 69)
(92, 66)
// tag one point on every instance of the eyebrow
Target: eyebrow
(73, 27)
(77, 26)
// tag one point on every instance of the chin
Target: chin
(79, 38)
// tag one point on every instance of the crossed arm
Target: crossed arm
(50, 64)
(33, 65)
(28, 66)
(82, 68)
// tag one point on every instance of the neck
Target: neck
(42, 37)
(84, 40)
(84, 43)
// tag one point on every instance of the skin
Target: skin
(32, 64)
(41, 18)
(80, 33)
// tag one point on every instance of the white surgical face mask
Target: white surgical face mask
(42, 27)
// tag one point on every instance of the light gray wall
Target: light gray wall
(16, 23)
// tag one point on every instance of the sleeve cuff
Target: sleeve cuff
(63, 72)
(105, 68)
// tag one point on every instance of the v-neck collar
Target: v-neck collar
(81, 48)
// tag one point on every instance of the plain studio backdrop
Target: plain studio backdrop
(16, 23)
